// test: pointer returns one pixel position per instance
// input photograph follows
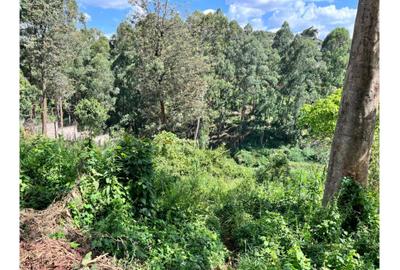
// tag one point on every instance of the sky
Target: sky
(325, 15)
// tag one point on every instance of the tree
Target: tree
(44, 27)
(351, 147)
(212, 31)
(283, 38)
(255, 78)
(92, 115)
(169, 69)
(28, 98)
(90, 70)
(320, 118)
(124, 58)
(300, 82)
(335, 52)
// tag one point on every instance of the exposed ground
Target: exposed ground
(49, 240)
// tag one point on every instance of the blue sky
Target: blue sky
(261, 14)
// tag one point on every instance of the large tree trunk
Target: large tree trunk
(44, 109)
(351, 147)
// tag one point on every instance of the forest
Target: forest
(226, 147)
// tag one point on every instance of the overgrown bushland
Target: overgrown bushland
(48, 169)
(167, 204)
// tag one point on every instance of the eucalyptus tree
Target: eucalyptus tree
(28, 97)
(301, 82)
(169, 68)
(335, 52)
(44, 27)
(124, 63)
(351, 147)
(212, 31)
(89, 70)
(255, 78)
(283, 38)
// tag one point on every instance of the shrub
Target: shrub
(133, 159)
(167, 204)
(188, 246)
(92, 115)
(277, 167)
(48, 170)
(320, 118)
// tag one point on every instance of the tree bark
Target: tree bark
(351, 146)
(44, 109)
(55, 129)
(60, 104)
(196, 134)
(163, 117)
(33, 112)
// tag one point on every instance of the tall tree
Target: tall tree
(212, 32)
(283, 38)
(335, 52)
(255, 78)
(169, 68)
(300, 83)
(28, 97)
(124, 59)
(44, 25)
(89, 70)
(351, 147)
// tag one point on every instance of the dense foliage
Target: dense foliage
(220, 137)
(320, 118)
(91, 114)
(167, 204)
(48, 170)
(204, 78)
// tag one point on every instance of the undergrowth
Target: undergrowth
(167, 204)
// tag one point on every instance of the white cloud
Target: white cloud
(208, 11)
(87, 16)
(243, 14)
(106, 4)
(108, 35)
(301, 14)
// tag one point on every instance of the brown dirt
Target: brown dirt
(40, 251)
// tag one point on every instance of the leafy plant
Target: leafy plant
(92, 115)
(48, 170)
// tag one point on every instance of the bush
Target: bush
(188, 246)
(48, 170)
(167, 204)
(133, 159)
(277, 167)
(135, 206)
(92, 115)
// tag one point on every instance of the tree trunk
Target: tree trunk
(44, 109)
(61, 111)
(163, 118)
(55, 129)
(58, 110)
(196, 134)
(33, 112)
(351, 147)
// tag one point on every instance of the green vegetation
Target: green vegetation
(219, 142)
(320, 118)
(48, 170)
(92, 115)
(205, 78)
(167, 204)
